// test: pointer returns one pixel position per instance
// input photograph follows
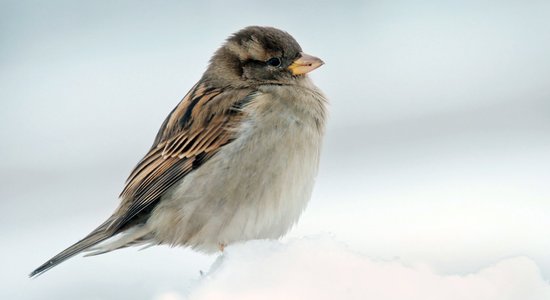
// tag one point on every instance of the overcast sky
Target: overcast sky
(437, 150)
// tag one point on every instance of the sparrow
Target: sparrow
(235, 160)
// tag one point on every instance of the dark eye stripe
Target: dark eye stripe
(253, 62)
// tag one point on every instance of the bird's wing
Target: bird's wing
(202, 123)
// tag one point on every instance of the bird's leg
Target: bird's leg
(221, 247)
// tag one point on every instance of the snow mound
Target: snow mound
(320, 268)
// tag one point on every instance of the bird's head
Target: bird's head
(260, 55)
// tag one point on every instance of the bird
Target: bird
(235, 160)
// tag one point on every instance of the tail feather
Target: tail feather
(135, 236)
(98, 235)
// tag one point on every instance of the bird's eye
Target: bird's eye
(274, 62)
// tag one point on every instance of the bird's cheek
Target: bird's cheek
(248, 73)
(259, 74)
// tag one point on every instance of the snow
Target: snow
(322, 268)
(434, 171)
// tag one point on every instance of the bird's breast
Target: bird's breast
(255, 187)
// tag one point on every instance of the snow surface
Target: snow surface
(435, 164)
(322, 268)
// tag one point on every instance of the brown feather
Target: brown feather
(202, 123)
(197, 128)
(179, 148)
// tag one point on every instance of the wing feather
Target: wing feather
(201, 124)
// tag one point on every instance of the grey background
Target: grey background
(437, 150)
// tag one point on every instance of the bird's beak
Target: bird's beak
(305, 64)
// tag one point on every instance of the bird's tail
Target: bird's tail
(95, 237)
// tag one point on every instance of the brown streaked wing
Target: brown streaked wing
(195, 130)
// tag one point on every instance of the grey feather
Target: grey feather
(98, 235)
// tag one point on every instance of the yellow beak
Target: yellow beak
(305, 64)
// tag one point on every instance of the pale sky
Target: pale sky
(437, 150)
